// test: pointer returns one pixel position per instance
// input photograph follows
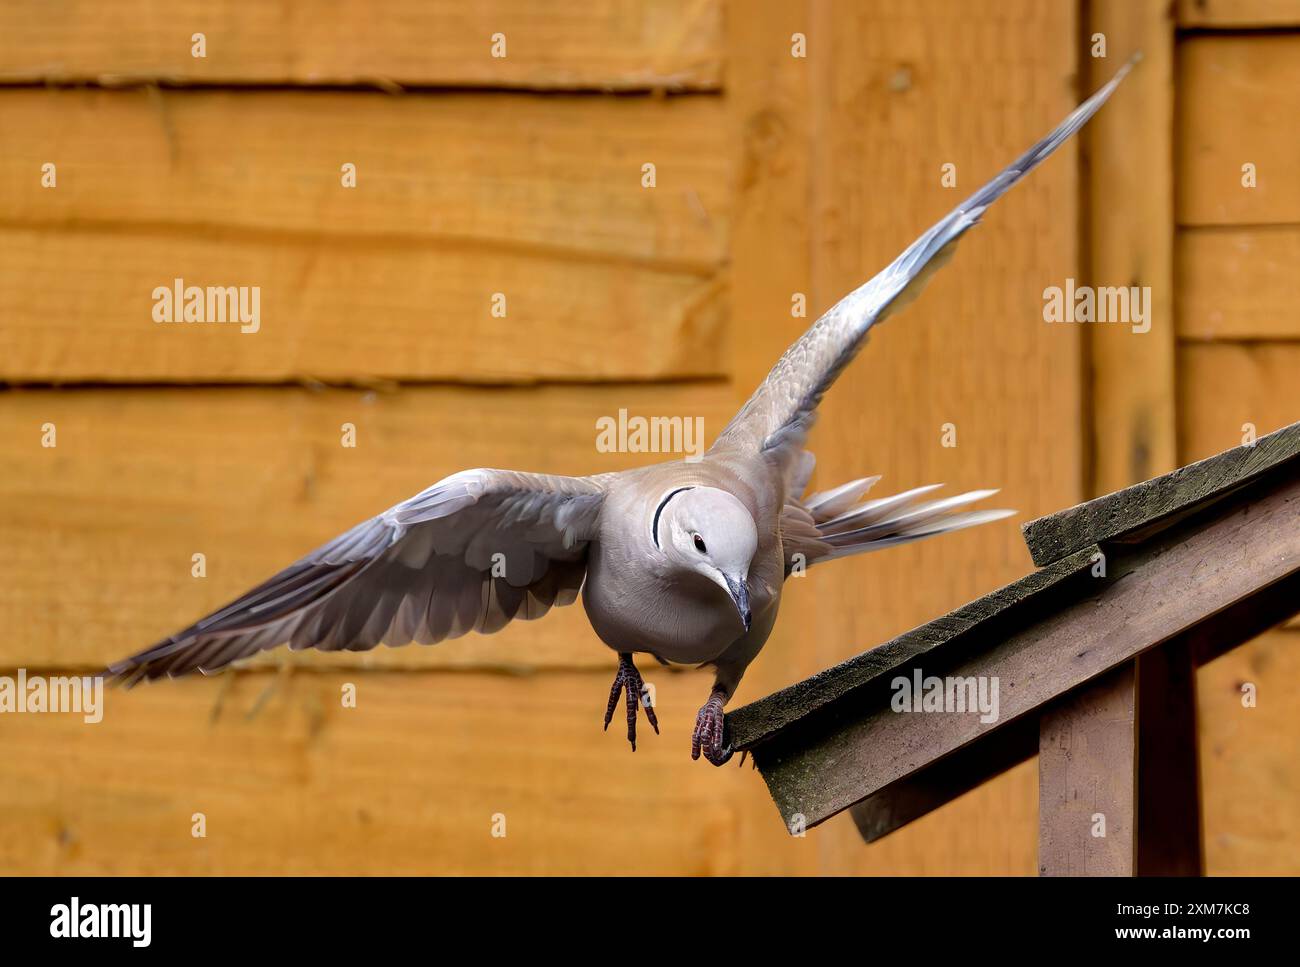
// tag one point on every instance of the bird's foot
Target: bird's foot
(708, 732)
(629, 679)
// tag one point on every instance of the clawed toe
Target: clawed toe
(708, 736)
(629, 680)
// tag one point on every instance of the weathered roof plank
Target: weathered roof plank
(1160, 499)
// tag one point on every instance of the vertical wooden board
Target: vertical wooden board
(1227, 390)
(901, 89)
(407, 782)
(601, 44)
(1238, 283)
(1232, 90)
(1087, 780)
(1168, 783)
(768, 97)
(1130, 224)
(1250, 758)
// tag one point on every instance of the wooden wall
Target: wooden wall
(475, 175)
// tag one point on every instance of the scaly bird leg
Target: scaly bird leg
(708, 729)
(630, 679)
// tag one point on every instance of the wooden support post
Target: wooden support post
(1087, 779)
(1169, 788)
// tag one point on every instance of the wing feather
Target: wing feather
(471, 553)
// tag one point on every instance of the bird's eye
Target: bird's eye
(699, 544)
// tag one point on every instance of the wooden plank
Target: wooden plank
(408, 782)
(100, 530)
(1170, 584)
(559, 175)
(1238, 283)
(1229, 14)
(1087, 780)
(1231, 91)
(569, 44)
(1152, 502)
(1015, 604)
(77, 306)
(1168, 780)
(771, 105)
(1130, 230)
(1248, 757)
(926, 790)
(1228, 390)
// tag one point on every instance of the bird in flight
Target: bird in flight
(683, 561)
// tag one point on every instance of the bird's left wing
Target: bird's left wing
(782, 409)
(468, 554)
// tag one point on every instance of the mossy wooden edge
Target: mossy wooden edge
(1058, 535)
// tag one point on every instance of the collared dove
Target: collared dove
(683, 561)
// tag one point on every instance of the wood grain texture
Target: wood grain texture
(1231, 92)
(1238, 283)
(561, 175)
(769, 97)
(1040, 590)
(1087, 780)
(1151, 504)
(1168, 782)
(601, 44)
(1130, 232)
(407, 782)
(1248, 756)
(1225, 386)
(76, 306)
(100, 530)
(899, 89)
(1238, 13)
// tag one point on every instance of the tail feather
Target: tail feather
(827, 526)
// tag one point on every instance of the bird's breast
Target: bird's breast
(633, 609)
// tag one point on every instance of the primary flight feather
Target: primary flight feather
(682, 561)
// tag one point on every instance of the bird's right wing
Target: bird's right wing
(470, 553)
(782, 409)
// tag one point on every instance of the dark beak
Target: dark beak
(740, 596)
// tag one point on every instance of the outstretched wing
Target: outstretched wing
(781, 410)
(469, 554)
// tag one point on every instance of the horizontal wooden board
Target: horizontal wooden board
(1250, 788)
(407, 782)
(100, 530)
(1223, 387)
(1232, 91)
(602, 44)
(559, 174)
(1238, 13)
(1238, 283)
(77, 306)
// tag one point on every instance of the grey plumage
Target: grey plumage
(684, 561)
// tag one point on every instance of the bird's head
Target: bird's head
(709, 532)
